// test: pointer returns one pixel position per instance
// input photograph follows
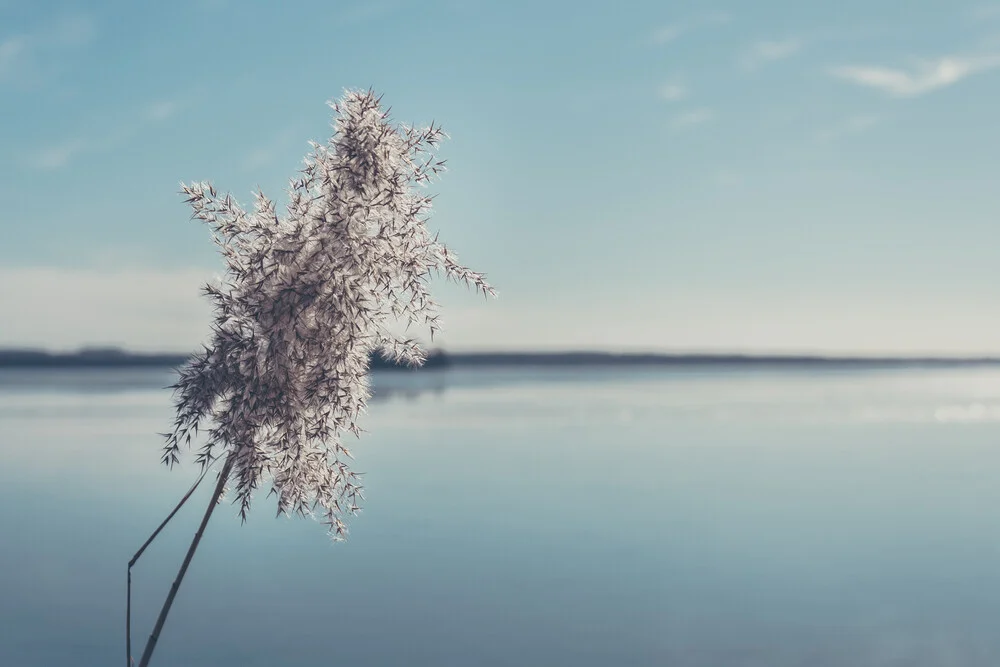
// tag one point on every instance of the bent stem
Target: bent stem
(151, 644)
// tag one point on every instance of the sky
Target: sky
(631, 176)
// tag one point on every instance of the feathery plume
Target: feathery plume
(307, 298)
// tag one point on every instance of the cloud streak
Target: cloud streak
(61, 155)
(11, 50)
(767, 51)
(27, 56)
(162, 110)
(55, 157)
(851, 126)
(673, 92)
(267, 153)
(692, 118)
(984, 13)
(926, 77)
(670, 32)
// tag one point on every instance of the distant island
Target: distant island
(118, 358)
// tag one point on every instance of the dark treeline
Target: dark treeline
(116, 358)
(569, 359)
(109, 358)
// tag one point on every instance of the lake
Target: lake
(695, 517)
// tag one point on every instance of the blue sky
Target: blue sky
(630, 175)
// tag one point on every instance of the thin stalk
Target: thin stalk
(128, 604)
(151, 644)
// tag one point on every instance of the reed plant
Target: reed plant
(308, 296)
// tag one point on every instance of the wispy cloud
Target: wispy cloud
(70, 31)
(984, 13)
(768, 51)
(11, 50)
(926, 77)
(853, 125)
(61, 155)
(667, 33)
(162, 110)
(57, 156)
(692, 118)
(671, 31)
(26, 56)
(672, 92)
(267, 153)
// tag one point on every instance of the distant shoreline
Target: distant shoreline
(116, 358)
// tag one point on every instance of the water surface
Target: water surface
(546, 517)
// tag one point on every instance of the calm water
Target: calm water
(717, 518)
